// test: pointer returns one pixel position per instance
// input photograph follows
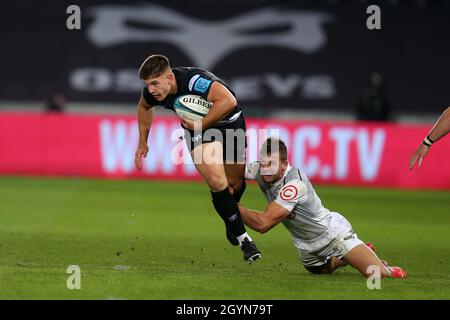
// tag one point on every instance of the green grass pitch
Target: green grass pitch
(163, 240)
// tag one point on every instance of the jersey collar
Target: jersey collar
(281, 181)
(288, 168)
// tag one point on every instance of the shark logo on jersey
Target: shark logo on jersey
(297, 30)
(289, 192)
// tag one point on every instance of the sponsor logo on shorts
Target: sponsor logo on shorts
(349, 237)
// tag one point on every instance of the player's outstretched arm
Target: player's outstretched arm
(264, 221)
(441, 127)
(145, 118)
(439, 130)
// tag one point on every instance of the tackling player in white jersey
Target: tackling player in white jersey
(325, 240)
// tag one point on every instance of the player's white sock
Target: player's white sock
(242, 237)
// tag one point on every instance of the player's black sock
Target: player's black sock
(237, 195)
(228, 210)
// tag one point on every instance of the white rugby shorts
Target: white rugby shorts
(345, 240)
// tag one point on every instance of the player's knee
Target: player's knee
(235, 184)
(217, 182)
(319, 269)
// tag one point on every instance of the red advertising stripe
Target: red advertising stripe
(344, 153)
(21, 143)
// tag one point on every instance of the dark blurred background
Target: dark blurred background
(280, 57)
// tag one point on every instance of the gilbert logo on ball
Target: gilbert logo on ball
(192, 107)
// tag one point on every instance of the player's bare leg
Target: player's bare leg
(362, 257)
(332, 264)
(341, 263)
(208, 162)
(372, 247)
(235, 177)
(208, 159)
(335, 263)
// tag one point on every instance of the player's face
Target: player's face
(272, 168)
(159, 87)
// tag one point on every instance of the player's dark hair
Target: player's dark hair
(272, 145)
(153, 66)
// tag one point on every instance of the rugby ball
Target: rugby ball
(192, 107)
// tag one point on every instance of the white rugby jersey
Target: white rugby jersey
(311, 225)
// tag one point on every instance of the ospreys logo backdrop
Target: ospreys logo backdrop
(316, 56)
